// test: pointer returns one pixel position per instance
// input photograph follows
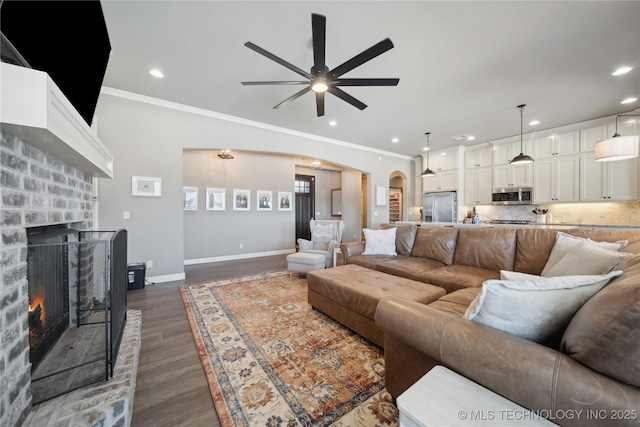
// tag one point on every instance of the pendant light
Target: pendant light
(521, 158)
(427, 171)
(617, 147)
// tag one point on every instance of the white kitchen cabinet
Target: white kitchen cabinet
(478, 156)
(561, 144)
(442, 181)
(556, 180)
(589, 136)
(608, 181)
(477, 186)
(505, 176)
(504, 152)
(443, 160)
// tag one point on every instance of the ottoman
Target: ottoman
(302, 262)
(350, 295)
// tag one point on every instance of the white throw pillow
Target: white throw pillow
(565, 242)
(534, 308)
(380, 242)
(586, 258)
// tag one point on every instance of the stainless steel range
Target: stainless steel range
(510, 221)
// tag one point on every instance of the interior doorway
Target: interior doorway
(396, 202)
(305, 205)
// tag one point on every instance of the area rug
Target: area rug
(272, 360)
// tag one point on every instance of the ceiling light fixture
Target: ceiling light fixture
(319, 85)
(394, 140)
(156, 73)
(316, 164)
(534, 122)
(427, 171)
(225, 154)
(622, 70)
(471, 138)
(333, 123)
(617, 147)
(629, 100)
(521, 159)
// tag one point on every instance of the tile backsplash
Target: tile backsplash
(618, 213)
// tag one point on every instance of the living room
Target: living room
(150, 133)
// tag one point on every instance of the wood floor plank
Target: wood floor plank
(171, 386)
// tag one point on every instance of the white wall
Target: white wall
(147, 138)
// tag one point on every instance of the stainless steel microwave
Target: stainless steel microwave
(512, 196)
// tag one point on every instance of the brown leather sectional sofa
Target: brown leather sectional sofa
(591, 379)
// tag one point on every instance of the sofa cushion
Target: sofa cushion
(370, 261)
(437, 243)
(532, 307)
(587, 258)
(454, 277)
(405, 237)
(487, 248)
(408, 267)
(533, 248)
(565, 242)
(603, 334)
(380, 242)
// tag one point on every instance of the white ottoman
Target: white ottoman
(302, 262)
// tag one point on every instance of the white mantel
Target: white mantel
(34, 109)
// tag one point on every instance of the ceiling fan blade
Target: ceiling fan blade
(320, 103)
(280, 61)
(277, 82)
(318, 28)
(293, 97)
(365, 82)
(367, 55)
(348, 98)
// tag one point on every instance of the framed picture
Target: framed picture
(264, 200)
(284, 200)
(216, 199)
(190, 198)
(146, 186)
(241, 200)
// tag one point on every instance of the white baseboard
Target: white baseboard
(237, 256)
(166, 278)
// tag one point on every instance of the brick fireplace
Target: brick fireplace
(37, 189)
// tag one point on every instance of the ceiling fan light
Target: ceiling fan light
(617, 148)
(319, 85)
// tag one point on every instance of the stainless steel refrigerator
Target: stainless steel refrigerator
(440, 207)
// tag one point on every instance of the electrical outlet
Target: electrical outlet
(149, 264)
(241, 245)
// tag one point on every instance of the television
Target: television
(66, 39)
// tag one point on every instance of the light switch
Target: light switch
(126, 215)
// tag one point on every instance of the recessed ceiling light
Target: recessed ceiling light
(629, 100)
(333, 123)
(534, 122)
(156, 73)
(471, 138)
(425, 149)
(622, 70)
(395, 140)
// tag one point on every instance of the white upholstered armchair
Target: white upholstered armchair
(325, 236)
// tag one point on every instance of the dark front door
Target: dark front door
(305, 205)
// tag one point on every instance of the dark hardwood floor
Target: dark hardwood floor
(171, 387)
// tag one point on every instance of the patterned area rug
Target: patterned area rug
(272, 360)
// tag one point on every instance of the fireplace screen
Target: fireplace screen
(77, 307)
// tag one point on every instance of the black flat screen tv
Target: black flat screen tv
(66, 39)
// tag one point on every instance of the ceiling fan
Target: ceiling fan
(320, 79)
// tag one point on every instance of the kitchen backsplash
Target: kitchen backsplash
(618, 213)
